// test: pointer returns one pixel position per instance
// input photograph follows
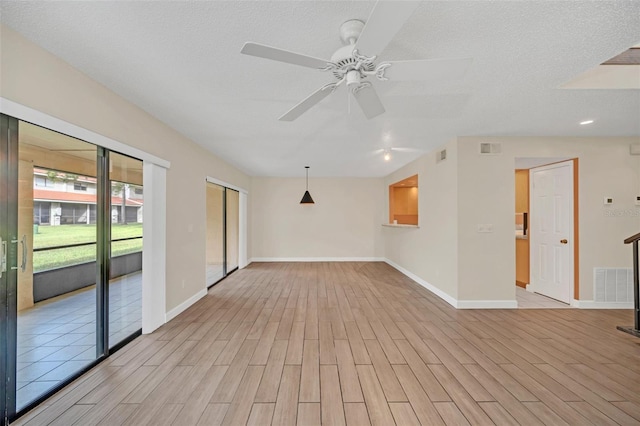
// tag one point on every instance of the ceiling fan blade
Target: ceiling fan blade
(400, 149)
(275, 54)
(440, 70)
(386, 19)
(369, 101)
(307, 103)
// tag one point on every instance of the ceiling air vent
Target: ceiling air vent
(490, 148)
(441, 155)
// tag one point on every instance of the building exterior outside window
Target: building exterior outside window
(61, 198)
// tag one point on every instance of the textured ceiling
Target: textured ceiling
(181, 62)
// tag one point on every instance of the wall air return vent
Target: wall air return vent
(441, 155)
(613, 285)
(490, 148)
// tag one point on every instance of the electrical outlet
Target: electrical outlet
(638, 200)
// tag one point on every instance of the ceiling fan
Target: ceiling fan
(349, 65)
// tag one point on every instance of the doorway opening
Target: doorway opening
(546, 232)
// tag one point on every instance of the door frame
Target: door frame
(576, 224)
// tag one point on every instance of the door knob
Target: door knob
(564, 241)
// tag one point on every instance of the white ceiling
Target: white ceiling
(181, 62)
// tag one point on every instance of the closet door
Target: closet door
(215, 251)
(232, 229)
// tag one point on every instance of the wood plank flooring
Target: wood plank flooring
(358, 344)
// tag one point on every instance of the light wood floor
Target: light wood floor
(358, 343)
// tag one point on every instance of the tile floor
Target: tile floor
(528, 300)
(56, 337)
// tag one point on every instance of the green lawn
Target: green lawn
(51, 236)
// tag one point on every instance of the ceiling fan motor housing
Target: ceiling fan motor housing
(345, 62)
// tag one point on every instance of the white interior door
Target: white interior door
(551, 230)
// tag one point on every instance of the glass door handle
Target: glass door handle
(3, 257)
(23, 265)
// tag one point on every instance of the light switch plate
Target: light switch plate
(485, 227)
(608, 200)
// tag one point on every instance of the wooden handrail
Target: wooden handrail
(632, 239)
(636, 287)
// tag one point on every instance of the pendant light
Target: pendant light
(306, 198)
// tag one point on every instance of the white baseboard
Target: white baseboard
(529, 288)
(316, 259)
(487, 304)
(435, 290)
(590, 304)
(458, 304)
(184, 305)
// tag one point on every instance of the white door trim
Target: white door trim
(227, 184)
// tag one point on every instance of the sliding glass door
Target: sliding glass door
(222, 232)
(71, 229)
(125, 267)
(56, 315)
(8, 261)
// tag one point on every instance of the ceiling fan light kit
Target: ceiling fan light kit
(350, 66)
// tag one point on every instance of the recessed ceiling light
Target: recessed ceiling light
(582, 123)
(387, 156)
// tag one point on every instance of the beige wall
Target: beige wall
(345, 220)
(430, 252)
(35, 78)
(486, 196)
